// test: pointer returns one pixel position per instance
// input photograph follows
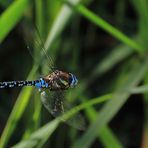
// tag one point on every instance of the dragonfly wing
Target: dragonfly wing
(35, 46)
(77, 120)
(55, 103)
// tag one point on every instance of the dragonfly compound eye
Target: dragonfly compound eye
(73, 80)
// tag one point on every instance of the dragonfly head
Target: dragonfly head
(73, 80)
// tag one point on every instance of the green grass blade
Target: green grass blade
(117, 55)
(59, 23)
(106, 136)
(141, 8)
(139, 89)
(107, 27)
(142, 11)
(110, 109)
(39, 16)
(40, 136)
(11, 17)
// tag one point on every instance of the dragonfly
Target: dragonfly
(57, 80)
(52, 89)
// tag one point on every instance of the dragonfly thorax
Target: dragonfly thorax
(59, 80)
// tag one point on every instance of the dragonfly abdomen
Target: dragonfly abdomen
(38, 83)
(11, 84)
(57, 80)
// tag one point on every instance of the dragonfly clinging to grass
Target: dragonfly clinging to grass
(52, 88)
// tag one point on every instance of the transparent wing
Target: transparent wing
(35, 46)
(56, 104)
(53, 104)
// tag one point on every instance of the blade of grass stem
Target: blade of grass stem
(107, 27)
(106, 136)
(11, 16)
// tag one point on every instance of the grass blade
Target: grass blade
(106, 136)
(59, 23)
(107, 27)
(11, 17)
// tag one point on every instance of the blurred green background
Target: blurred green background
(104, 43)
